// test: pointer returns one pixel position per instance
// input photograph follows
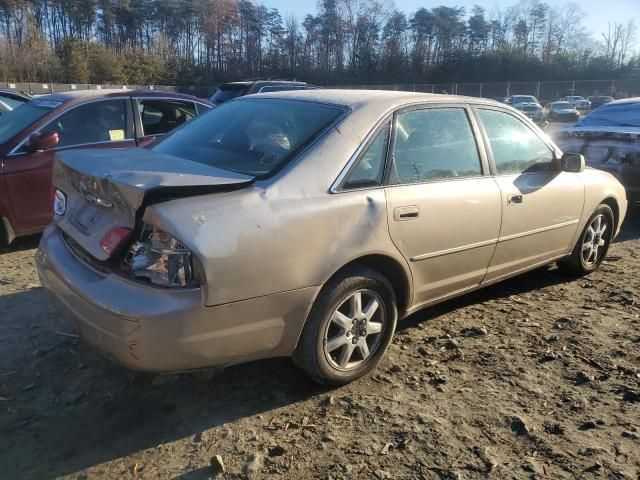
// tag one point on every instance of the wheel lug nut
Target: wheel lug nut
(354, 340)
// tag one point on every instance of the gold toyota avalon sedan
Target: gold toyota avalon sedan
(307, 223)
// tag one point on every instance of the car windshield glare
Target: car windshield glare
(613, 115)
(251, 136)
(13, 122)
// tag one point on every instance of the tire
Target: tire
(587, 256)
(336, 329)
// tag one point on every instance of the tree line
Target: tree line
(196, 42)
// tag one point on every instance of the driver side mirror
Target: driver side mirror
(572, 163)
(42, 141)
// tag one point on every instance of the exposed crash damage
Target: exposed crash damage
(609, 138)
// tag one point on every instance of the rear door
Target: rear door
(158, 116)
(104, 123)
(443, 206)
(541, 205)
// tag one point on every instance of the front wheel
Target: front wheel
(349, 328)
(592, 245)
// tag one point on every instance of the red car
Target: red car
(32, 133)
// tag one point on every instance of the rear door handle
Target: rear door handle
(401, 214)
(515, 199)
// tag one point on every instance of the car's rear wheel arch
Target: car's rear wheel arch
(391, 269)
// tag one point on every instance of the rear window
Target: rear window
(613, 115)
(524, 98)
(253, 136)
(228, 92)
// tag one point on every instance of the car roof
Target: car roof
(358, 98)
(81, 95)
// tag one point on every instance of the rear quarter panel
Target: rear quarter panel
(286, 233)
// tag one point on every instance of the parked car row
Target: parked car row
(33, 134)
(196, 251)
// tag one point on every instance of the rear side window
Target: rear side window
(161, 116)
(95, 122)
(435, 144)
(228, 92)
(516, 148)
(369, 168)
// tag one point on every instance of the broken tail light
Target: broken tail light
(114, 239)
(161, 259)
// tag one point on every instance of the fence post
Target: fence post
(538, 90)
(613, 87)
(508, 89)
(480, 90)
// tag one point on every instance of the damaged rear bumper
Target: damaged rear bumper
(153, 329)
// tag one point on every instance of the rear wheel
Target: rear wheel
(592, 245)
(349, 328)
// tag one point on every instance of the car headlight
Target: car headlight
(161, 259)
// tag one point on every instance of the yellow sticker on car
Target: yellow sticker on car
(116, 135)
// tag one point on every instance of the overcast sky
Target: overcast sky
(598, 12)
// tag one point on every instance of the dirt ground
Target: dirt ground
(538, 377)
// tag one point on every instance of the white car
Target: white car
(578, 102)
(527, 104)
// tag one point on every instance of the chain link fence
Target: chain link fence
(546, 91)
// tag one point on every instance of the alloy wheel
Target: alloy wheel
(593, 242)
(355, 330)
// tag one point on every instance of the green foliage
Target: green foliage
(75, 61)
(135, 42)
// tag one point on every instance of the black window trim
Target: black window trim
(526, 121)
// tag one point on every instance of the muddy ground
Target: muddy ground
(538, 377)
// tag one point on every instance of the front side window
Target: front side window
(161, 116)
(434, 144)
(369, 168)
(250, 136)
(95, 122)
(516, 148)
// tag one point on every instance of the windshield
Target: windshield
(524, 98)
(254, 137)
(613, 115)
(561, 106)
(228, 92)
(15, 121)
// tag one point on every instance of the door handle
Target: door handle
(515, 199)
(401, 214)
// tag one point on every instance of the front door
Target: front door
(541, 205)
(96, 124)
(443, 211)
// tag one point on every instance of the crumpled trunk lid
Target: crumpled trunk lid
(110, 188)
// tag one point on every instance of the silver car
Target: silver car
(306, 224)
